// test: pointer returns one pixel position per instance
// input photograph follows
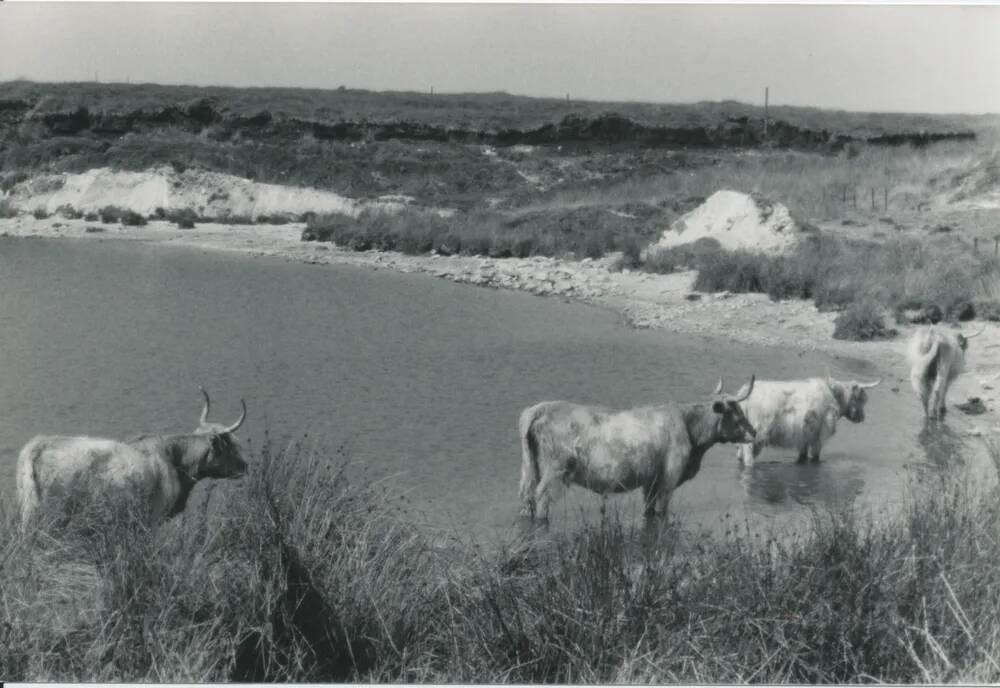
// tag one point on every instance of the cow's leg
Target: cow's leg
(814, 450)
(803, 452)
(942, 406)
(745, 453)
(663, 500)
(651, 493)
(937, 396)
(550, 482)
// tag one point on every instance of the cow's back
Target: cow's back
(604, 448)
(784, 411)
(52, 461)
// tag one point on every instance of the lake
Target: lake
(409, 377)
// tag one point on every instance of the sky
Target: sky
(901, 58)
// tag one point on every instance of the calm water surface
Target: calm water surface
(412, 377)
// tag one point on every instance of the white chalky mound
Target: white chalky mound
(210, 194)
(737, 221)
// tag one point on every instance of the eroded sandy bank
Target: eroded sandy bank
(664, 302)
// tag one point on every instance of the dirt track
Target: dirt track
(644, 300)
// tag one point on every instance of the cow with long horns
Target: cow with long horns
(161, 470)
(936, 358)
(605, 450)
(801, 414)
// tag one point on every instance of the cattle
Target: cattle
(936, 358)
(801, 414)
(160, 470)
(606, 450)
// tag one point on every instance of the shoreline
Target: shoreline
(643, 300)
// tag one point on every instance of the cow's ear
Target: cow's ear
(719, 406)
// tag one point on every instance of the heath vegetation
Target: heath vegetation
(307, 571)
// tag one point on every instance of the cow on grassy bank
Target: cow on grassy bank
(657, 448)
(801, 414)
(159, 470)
(936, 358)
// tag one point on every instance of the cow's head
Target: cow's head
(851, 397)
(225, 460)
(963, 340)
(733, 423)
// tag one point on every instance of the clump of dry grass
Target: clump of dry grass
(305, 574)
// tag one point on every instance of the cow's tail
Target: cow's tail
(923, 364)
(530, 474)
(28, 493)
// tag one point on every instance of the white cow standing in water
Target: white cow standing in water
(936, 358)
(160, 469)
(801, 414)
(657, 448)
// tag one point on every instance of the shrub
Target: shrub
(132, 219)
(735, 271)
(7, 209)
(184, 217)
(988, 309)
(111, 214)
(69, 212)
(40, 213)
(91, 229)
(91, 217)
(336, 228)
(861, 322)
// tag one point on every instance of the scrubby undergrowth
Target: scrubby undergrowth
(866, 280)
(302, 575)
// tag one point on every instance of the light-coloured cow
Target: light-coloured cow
(606, 450)
(801, 414)
(160, 469)
(936, 358)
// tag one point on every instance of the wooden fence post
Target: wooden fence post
(996, 246)
(885, 196)
(873, 198)
(975, 244)
(854, 198)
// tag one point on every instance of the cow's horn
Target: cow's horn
(718, 387)
(204, 410)
(981, 330)
(243, 416)
(869, 385)
(749, 389)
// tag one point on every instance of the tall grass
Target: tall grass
(303, 573)
(836, 273)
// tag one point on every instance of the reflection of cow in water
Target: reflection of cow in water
(781, 484)
(801, 414)
(936, 358)
(606, 450)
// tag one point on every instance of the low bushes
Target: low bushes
(7, 208)
(578, 232)
(861, 322)
(866, 278)
(111, 214)
(183, 217)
